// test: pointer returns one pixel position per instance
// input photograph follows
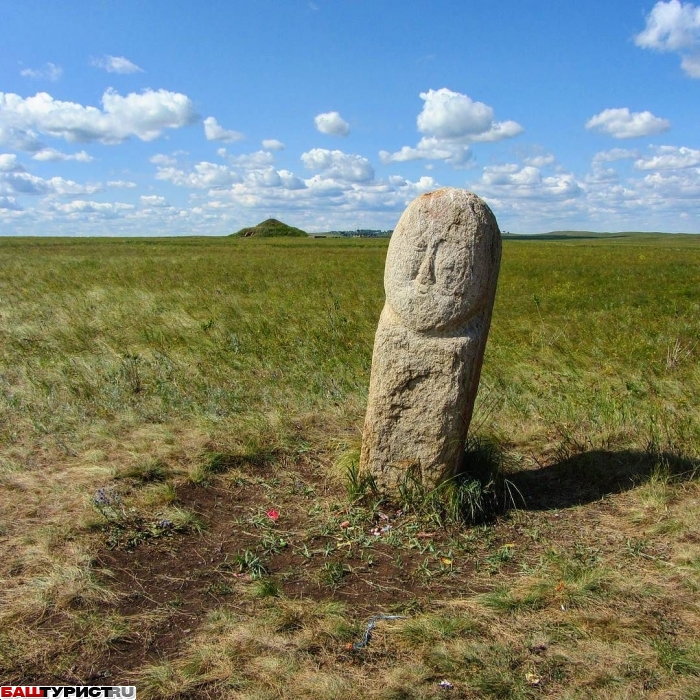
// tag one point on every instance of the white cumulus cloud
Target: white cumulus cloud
(254, 168)
(526, 197)
(341, 191)
(452, 115)
(449, 115)
(338, 165)
(101, 209)
(115, 64)
(53, 155)
(511, 181)
(449, 122)
(671, 26)
(9, 163)
(331, 123)
(19, 139)
(144, 115)
(614, 154)
(122, 184)
(153, 200)
(540, 161)
(620, 123)
(258, 159)
(205, 176)
(691, 65)
(290, 181)
(25, 183)
(214, 132)
(674, 26)
(601, 172)
(272, 145)
(9, 204)
(670, 158)
(163, 159)
(431, 148)
(50, 72)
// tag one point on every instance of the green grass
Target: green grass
(233, 374)
(106, 333)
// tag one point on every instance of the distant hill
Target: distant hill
(269, 229)
(360, 233)
(569, 235)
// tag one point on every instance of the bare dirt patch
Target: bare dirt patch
(320, 548)
(280, 528)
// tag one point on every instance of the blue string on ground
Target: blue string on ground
(370, 627)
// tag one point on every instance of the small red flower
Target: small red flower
(273, 514)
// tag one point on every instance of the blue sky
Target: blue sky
(172, 118)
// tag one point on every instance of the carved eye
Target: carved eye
(451, 266)
(415, 237)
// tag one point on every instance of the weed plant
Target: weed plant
(478, 493)
(127, 528)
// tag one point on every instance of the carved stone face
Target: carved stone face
(440, 260)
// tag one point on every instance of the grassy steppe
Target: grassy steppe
(202, 382)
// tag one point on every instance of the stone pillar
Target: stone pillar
(440, 283)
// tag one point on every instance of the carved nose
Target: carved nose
(426, 271)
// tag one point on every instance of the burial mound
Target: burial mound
(270, 228)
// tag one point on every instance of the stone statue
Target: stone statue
(440, 283)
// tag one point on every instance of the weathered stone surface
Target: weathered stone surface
(440, 283)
